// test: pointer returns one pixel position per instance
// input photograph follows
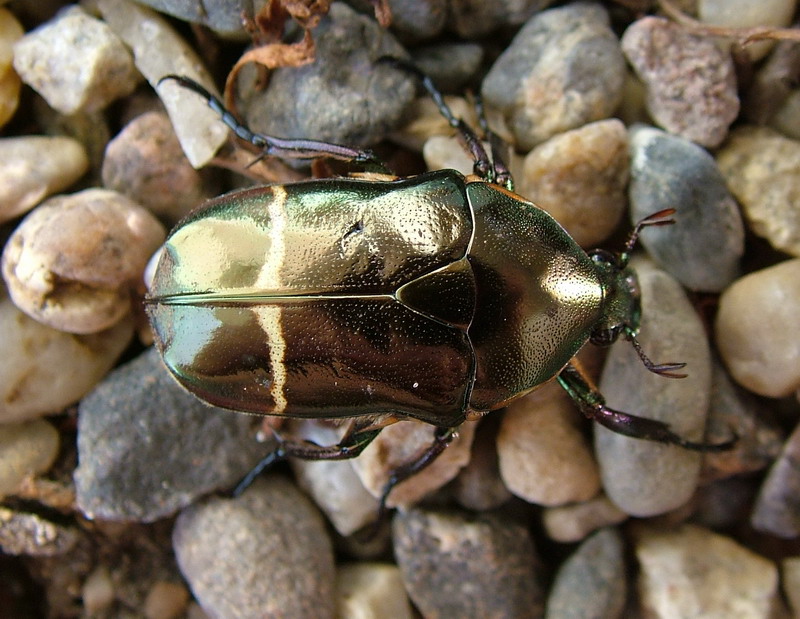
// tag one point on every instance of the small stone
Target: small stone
(22, 533)
(786, 119)
(366, 590)
(736, 412)
(579, 177)
(572, 523)
(762, 169)
(147, 448)
(418, 20)
(772, 84)
(75, 62)
(446, 153)
(692, 572)
(777, 508)
(756, 330)
(747, 14)
(333, 484)
(691, 83)
(473, 19)
(704, 246)
(646, 478)
(222, 16)
(456, 565)
(145, 163)
(790, 572)
(544, 457)
(158, 51)
(352, 99)
(725, 503)
(43, 371)
(73, 262)
(166, 600)
(26, 449)
(34, 167)
(562, 70)
(11, 31)
(479, 486)
(591, 582)
(402, 443)
(98, 592)
(451, 66)
(263, 554)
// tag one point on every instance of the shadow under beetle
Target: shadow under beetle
(437, 297)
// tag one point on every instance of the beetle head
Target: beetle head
(621, 303)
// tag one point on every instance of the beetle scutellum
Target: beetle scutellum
(437, 297)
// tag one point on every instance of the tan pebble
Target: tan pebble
(367, 590)
(572, 523)
(756, 330)
(166, 600)
(72, 263)
(10, 32)
(34, 167)
(27, 448)
(98, 592)
(544, 457)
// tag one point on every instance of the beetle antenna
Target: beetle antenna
(502, 174)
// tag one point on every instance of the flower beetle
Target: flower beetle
(437, 297)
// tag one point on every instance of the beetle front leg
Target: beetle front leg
(593, 405)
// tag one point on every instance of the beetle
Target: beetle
(437, 297)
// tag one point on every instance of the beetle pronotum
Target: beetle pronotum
(437, 297)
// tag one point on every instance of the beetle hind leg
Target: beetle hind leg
(592, 404)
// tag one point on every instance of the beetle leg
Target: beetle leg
(592, 404)
(279, 147)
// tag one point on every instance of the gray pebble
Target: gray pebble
(455, 565)
(75, 62)
(263, 554)
(343, 96)
(418, 20)
(473, 19)
(777, 508)
(148, 448)
(451, 66)
(691, 83)
(645, 478)
(224, 16)
(762, 169)
(479, 486)
(704, 246)
(23, 533)
(591, 583)
(562, 70)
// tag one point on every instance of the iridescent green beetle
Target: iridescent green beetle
(437, 297)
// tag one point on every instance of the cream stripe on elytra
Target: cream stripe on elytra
(269, 317)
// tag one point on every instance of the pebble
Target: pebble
(222, 16)
(263, 554)
(572, 523)
(580, 178)
(691, 83)
(734, 411)
(72, 263)
(562, 70)
(693, 572)
(355, 101)
(26, 449)
(145, 163)
(474, 20)
(75, 62)
(790, 572)
(401, 443)
(334, 485)
(98, 591)
(451, 66)
(35, 166)
(591, 582)
(703, 248)
(166, 600)
(147, 447)
(756, 330)
(43, 371)
(762, 169)
(747, 14)
(543, 454)
(459, 565)
(418, 20)
(366, 590)
(776, 510)
(11, 31)
(479, 486)
(158, 51)
(725, 503)
(645, 478)
(23, 533)
(771, 84)
(786, 118)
